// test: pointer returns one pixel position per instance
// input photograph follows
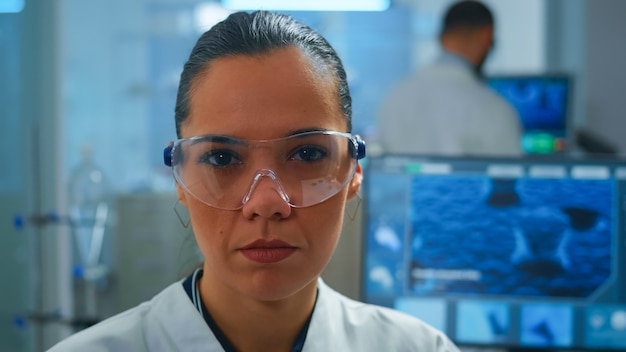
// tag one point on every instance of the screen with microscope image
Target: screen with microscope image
(533, 247)
(542, 104)
(517, 251)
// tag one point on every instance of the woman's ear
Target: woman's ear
(183, 215)
(355, 183)
(181, 195)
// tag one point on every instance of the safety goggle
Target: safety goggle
(305, 169)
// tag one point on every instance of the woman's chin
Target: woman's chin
(271, 289)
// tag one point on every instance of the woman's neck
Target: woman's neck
(254, 325)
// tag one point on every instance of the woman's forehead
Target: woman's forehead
(275, 91)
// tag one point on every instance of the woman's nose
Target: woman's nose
(266, 197)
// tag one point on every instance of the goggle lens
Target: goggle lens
(305, 169)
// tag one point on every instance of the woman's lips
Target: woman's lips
(267, 252)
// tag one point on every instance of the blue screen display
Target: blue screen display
(542, 105)
(520, 252)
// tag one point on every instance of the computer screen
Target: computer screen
(542, 102)
(525, 252)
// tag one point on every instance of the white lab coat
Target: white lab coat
(446, 109)
(170, 322)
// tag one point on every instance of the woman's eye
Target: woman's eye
(309, 153)
(220, 158)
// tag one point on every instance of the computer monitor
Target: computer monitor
(522, 253)
(542, 102)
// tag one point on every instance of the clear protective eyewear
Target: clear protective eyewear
(305, 168)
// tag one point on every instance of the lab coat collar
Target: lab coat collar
(449, 58)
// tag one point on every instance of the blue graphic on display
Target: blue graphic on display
(554, 239)
(546, 325)
(383, 275)
(482, 322)
(391, 198)
(387, 235)
(431, 310)
(541, 101)
(606, 327)
(386, 239)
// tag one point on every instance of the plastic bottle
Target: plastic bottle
(88, 208)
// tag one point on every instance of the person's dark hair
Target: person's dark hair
(466, 14)
(258, 33)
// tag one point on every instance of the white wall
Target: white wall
(565, 41)
(606, 70)
(520, 36)
(519, 29)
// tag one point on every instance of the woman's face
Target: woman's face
(258, 98)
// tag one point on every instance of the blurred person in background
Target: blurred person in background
(264, 164)
(446, 108)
